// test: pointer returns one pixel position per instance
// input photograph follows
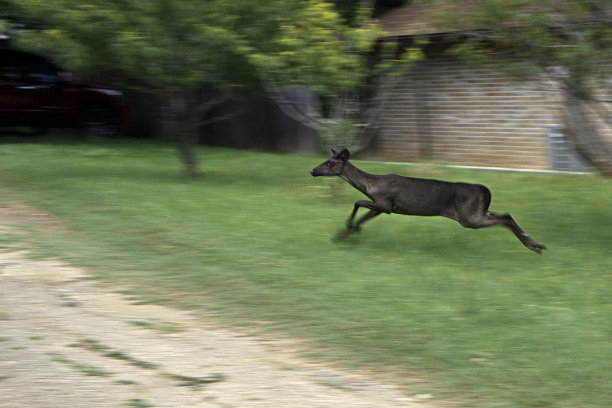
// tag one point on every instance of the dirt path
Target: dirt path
(66, 342)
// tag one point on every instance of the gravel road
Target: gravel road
(67, 342)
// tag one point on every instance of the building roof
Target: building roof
(433, 17)
(413, 19)
(406, 20)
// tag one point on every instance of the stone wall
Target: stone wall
(449, 112)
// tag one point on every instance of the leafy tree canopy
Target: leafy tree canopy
(179, 43)
(186, 50)
(572, 34)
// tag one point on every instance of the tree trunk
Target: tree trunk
(184, 132)
(188, 151)
(594, 147)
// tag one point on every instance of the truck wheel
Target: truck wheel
(98, 121)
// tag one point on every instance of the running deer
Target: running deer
(465, 203)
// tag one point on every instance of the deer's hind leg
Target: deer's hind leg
(474, 213)
(490, 219)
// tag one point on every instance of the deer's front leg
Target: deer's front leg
(350, 227)
(374, 207)
(368, 216)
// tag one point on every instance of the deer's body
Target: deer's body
(466, 203)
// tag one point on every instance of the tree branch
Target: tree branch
(221, 118)
(291, 109)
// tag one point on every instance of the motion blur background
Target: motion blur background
(235, 227)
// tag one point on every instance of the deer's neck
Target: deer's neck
(357, 178)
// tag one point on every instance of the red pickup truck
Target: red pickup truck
(34, 92)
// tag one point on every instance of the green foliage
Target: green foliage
(193, 53)
(574, 35)
(4, 26)
(190, 52)
(313, 47)
(471, 311)
(167, 44)
(187, 43)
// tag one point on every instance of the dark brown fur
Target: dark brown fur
(465, 203)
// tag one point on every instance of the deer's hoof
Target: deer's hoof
(537, 248)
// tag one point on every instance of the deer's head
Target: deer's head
(333, 166)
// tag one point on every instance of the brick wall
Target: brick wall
(449, 112)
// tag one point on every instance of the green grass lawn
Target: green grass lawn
(474, 313)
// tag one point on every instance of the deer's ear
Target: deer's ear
(344, 154)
